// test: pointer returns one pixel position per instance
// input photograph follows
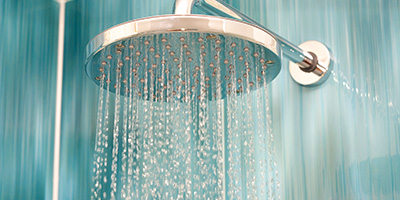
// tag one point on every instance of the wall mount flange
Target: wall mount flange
(322, 70)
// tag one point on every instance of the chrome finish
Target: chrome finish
(307, 60)
(220, 8)
(296, 54)
(324, 66)
(183, 23)
(183, 7)
(240, 26)
(240, 51)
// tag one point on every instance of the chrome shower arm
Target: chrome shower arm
(184, 7)
(223, 9)
(307, 61)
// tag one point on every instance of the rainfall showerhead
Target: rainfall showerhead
(185, 56)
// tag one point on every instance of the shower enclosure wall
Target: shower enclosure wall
(337, 141)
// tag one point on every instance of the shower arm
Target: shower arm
(307, 61)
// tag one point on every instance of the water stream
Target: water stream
(180, 119)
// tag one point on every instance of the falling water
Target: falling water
(191, 120)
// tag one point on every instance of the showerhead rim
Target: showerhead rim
(183, 23)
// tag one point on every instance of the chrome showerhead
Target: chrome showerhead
(183, 57)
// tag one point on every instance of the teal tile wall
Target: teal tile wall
(337, 141)
(28, 57)
(340, 140)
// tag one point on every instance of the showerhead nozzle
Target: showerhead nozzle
(183, 57)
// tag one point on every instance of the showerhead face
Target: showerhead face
(183, 58)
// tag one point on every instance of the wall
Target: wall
(28, 56)
(340, 140)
